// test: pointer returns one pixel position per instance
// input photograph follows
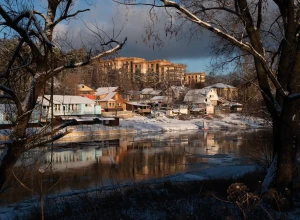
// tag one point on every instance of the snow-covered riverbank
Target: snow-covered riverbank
(230, 121)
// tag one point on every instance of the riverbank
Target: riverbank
(231, 197)
(141, 124)
(218, 122)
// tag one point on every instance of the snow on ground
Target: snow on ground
(162, 123)
(144, 124)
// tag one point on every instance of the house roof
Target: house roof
(195, 92)
(158, 98)
(196, 96)
(137, 104)
(105, 90)
(220, 86)
(147, 91)
(109, 97)
(200, 100)
(155, 92)
(64, 99)
(84, 88)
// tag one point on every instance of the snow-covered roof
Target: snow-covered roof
(197, 92)
(105, 90)
(65, 99)
(198, 95)
(137, 104)
(158, 98)
(196, 99)
(109, 97)
(220, 86)
(192, 94)
(147, 91)
(229, 103)
(155, 92)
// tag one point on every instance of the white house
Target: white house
(67, 105)
(63, 106)
(202, 99)
(201, 96)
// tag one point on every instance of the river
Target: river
(130, 158)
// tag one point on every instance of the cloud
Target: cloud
(112, 17)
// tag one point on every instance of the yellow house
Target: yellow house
(86, 91)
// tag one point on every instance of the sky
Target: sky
(195, 53)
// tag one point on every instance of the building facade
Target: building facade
(160, 70)
(191, 78)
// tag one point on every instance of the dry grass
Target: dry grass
(208, 199)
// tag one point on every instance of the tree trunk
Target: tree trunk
(13, 150)
(285, 133)
(8, 161)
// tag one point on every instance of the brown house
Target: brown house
(112, 101)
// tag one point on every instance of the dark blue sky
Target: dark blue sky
(195, 53)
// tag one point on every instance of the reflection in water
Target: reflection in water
(129, 158)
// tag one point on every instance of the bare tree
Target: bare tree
(29, 51)
(268, 32)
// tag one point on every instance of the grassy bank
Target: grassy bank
(207, 199)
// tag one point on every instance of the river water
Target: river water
(130, 158)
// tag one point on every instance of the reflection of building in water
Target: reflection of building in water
(211, 145)
(85, 156)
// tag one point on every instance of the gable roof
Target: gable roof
(196, 92)
(109, 97)
(158, 98)
(155, 92)
(84, 88)
(147, 91)
(64, 99)
(220, 86)
(105, 90)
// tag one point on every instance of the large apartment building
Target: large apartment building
(191, 78)
(162, 70)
